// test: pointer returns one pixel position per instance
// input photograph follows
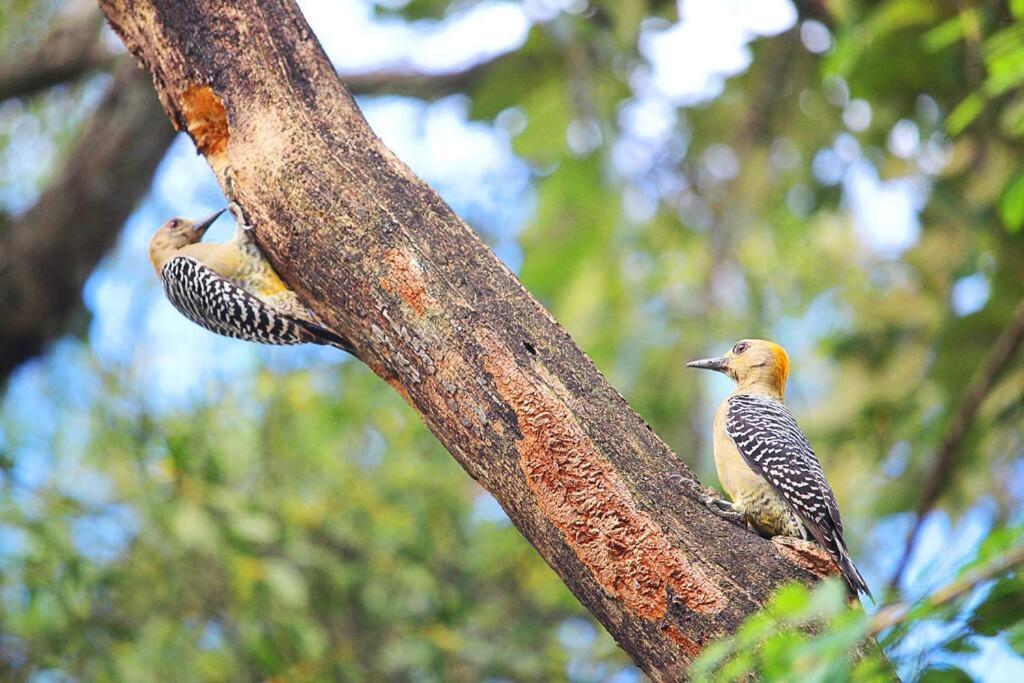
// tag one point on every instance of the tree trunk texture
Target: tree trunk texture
(380, 257)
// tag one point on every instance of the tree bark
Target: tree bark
(433, 312)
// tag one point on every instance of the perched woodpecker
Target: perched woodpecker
(764, 461)
(230, 288)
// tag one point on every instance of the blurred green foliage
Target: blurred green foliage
(304, 525)
(813, 635)
(283, 532)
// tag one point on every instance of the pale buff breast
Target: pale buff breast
(752, 495)
(240, 261)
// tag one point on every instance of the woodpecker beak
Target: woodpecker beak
(203, 226)
(717, 364)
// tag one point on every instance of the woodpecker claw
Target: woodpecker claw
(722, 508)
(236, 211)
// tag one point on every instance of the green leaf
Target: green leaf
(710, 659)
(791, 601)
(1015, 638)
(828, 598)
(194, 527)
(254, 527)
(1002, 607)
(1011, 204)
(1017, 8)
(944, 35)
(964, 644)
(965, 113)
(285, 581)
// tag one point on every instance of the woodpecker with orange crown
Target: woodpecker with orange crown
(764, 461)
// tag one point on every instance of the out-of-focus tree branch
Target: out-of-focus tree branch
(984, 380)
(422, 85)
(893, 615)
(47, 254)
(71, 50)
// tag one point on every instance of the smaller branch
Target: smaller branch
(422, 85)
(71, 50)
(893, 615)
(981, 384)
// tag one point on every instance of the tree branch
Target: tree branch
(47, 254)
(893, 615)
(384, 261)
(422, 85)
(984, 380)
(71, 50)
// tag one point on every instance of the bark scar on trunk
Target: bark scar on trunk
(205, 119)
(404, 278)
(580, 492)
(684, 641)
(806, 555)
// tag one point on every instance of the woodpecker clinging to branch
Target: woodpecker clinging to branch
(230, 288)
(764, 461)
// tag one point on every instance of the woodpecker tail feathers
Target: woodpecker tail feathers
(325, 337)
(853, 577)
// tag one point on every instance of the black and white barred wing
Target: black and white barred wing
(770, 441)
(209, 300)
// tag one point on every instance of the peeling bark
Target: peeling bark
(381, 258)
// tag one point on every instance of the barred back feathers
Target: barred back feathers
(217, 304)
(773, 445)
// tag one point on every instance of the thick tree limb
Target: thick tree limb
(432, 311)
(982, 382)
(46, 254)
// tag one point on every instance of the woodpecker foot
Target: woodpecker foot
(717, 505)
(236, 211)
(229, 182)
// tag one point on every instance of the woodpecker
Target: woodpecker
(230, 288)
(764, 461)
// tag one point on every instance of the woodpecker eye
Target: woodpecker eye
(175, 222)
(740, 348)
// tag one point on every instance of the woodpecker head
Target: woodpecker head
(175, 234)
(752, 363)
